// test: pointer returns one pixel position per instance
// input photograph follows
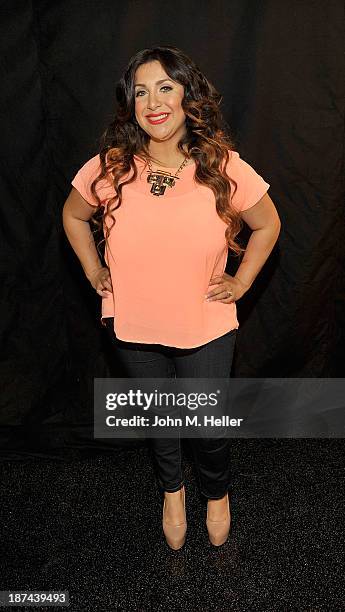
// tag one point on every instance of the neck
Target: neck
(165, 154)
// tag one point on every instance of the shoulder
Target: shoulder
(239, 169)
(233, 155)
(91, 167)
(249, 185)
(85, 176)
(235, 162)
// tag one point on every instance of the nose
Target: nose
(153, 101)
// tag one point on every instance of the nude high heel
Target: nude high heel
(175, 535)
(218, 531)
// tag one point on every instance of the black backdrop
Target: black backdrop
(279, 66)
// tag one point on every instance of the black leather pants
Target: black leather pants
(212, 360)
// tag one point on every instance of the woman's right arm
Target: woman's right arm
(76, 215)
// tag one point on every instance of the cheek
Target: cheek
(138, 105)
(175, 103)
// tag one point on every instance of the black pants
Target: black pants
(212, 360)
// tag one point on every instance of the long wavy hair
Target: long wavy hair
(207, 138)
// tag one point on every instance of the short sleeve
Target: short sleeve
(247, 186)
(84, 178)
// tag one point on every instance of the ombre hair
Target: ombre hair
(207, 140)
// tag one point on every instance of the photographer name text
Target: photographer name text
(189, 421)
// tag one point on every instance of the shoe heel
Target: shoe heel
(218, 531)
(175, 535)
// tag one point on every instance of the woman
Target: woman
(168, 305)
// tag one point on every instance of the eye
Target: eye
(140, 91)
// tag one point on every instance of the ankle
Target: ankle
(218, 500)
(172, 494)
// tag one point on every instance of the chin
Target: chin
(162, 137)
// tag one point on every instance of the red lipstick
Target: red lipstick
(152, 118)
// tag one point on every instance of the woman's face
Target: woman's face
(157, 94)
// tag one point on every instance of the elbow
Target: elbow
(68, 219)
(276, 231)
(65, 216)
(277, 224)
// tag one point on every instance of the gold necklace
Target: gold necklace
(161, 180)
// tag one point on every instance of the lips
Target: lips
(155, 119)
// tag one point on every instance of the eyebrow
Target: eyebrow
(157, 83)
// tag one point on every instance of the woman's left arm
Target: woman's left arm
(263, 219)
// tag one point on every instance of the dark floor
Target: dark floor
(93, 527)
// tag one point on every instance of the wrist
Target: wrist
(243, 283)
(90, 273)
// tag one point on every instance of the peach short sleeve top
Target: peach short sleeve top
(163, 251)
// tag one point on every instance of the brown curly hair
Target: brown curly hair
(206, 141)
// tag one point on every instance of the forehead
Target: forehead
(152, 71)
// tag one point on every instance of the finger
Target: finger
(107, 285)
(225, 293)
(103, 292)
(227, 300)
(101, 288)
(229, 297)
(221, 291)
(216, 280)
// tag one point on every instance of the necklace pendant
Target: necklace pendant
(160, 182)
(158, 189)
